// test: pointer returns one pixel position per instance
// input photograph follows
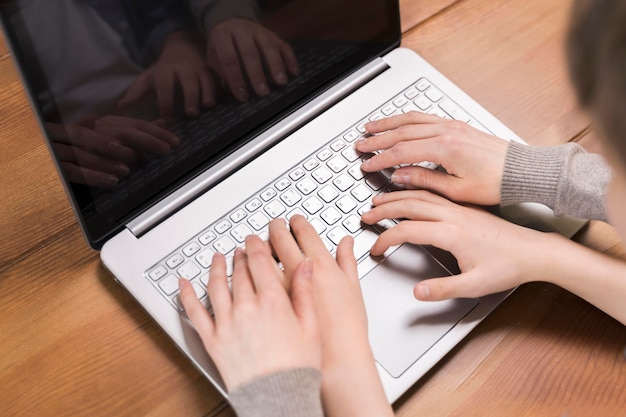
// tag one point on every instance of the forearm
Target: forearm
(593, 276)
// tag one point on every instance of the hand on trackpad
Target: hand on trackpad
(402, 328)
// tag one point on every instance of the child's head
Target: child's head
(597, 62)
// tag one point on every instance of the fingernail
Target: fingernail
(263, 89)
(192, 111)
(122, 169)
(423, 292)
(108, 181)
(242, 94)
(280, 77)
(361, 141)
(114, 146)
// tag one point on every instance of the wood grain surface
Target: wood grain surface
(74, 343)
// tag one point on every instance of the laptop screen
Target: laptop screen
(137, 97)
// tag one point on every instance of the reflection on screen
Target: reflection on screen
(138, 95)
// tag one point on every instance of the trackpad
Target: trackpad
(402, 328)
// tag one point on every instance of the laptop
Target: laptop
(158, 215)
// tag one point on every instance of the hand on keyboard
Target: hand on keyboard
(474, 160)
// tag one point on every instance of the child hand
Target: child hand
(257, 329)
(474, 160)
(493, 254)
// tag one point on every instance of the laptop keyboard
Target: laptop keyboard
(328, 188)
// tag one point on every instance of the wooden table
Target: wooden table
(74, 343)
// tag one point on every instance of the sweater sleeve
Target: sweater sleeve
(565, 178)
(291, 393)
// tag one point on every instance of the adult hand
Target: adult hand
(350, 382)
(494, 255)
(237, 45)
(474, 160)
(181, 63)
(257, 330)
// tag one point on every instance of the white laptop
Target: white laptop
(241, 164)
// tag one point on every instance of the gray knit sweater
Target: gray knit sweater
(565, 178)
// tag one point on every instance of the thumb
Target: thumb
(455, 286)
(423, 178)
(302, 298)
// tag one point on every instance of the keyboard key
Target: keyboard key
(454, 111)
(337, 164)
(356, 172)
(375, 116)
(290, 197)
(422, 102)
(388, 109)
(343, 182)
(258, 221)
(330, 215)
(189, 270)
(268, 194)
(350, 154)
(422, 84)
(352, 223)
(363, 242)
(361, 193)
(282, 183)
(400, 101)
(169, 284)
(318, 225)
(322, 175)
(312, 205)
(328, 193)
(158, 272)
(411, 93)
(224, 245)
(336, 234)
(175, 260)
(222, 226)
(409, 108)
(311, 164)
(346, 204)
(238, 215)
(207, 238)
(241, 232)
(433, 94)
(306, 186)
(200, 293)
(324, 154)
(191, 248)
(338, 145)
(205, 258)
(274, 209)
(438, 112)
(351, 136)
(297, 173)
(294, 212)
(253, 204)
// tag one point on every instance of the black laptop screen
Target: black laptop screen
(138, 96)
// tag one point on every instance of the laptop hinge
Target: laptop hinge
(185, 194)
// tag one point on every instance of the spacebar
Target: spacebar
(363, 243)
